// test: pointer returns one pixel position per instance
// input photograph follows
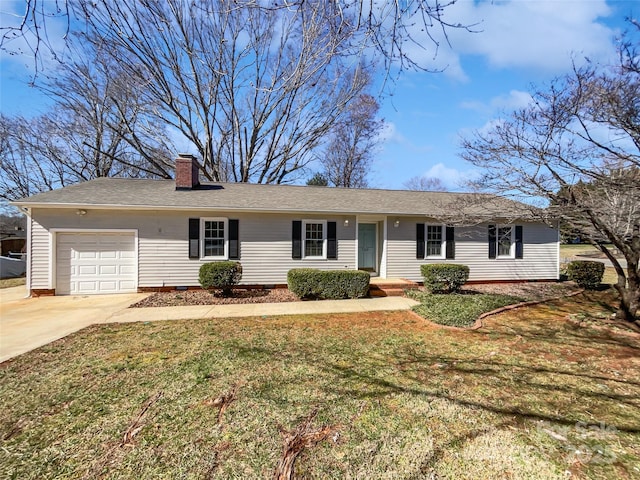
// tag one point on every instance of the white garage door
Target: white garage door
(94, 263)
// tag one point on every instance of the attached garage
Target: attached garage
(90, 263)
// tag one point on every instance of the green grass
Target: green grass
(458, 310)
(12, 282)
(403, 399)
(570, 250)
(567, 250)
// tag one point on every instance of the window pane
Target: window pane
(504, 241)
(213, 238)
(213, 248)
(313, 248)
(434, 240)
(314, 240)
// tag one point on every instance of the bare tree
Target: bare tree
(388, 27)
(11, 224)
(253, 91)
(352, 144)
(106, 125)
(577, 146)
(26, 151)
(97, 127)
(252, 87)
(425, 184)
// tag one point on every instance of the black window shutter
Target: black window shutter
(296, 237)
(492, 242)
(451, 244)
(234, 240)
(332, 244)
(519, 242)
(420, 241)
(194, 238)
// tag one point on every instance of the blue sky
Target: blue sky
(518, 43)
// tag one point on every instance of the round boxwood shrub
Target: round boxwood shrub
(220, 276)
(586, 273)
(444, 278)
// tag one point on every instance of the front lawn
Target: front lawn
(368, 395)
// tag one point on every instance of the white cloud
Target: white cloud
(514, 100)
(451, 177)
(389, 133)
(537, 35)
(484, 130)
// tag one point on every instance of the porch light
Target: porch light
(346, 222)
(396, 224)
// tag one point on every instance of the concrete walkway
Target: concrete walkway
(29, 323)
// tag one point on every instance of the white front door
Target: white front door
(95, 262)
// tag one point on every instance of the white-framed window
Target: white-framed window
(434, 241)
(505, 244)
(214, 234)
(314, 238)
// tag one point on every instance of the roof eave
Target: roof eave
(48, 205)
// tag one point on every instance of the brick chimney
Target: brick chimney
(187, 177)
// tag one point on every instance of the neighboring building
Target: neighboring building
(12, 243)
(124, 235)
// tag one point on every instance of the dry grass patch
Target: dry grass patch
(392, 398)
(12, 282)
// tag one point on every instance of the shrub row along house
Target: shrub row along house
(113, 235)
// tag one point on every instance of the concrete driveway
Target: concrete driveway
(28, 323)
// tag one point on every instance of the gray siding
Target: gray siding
(39, 256)
(265, 244)
(540, 260)
(265, 247)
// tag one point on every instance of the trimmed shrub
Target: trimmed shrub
(444, 278)
(302, 282)
(220, 276)
(328, 284)
(586, 273)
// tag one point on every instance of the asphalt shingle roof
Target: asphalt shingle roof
(162, 194)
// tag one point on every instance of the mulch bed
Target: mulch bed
(204, 297)
(527, 291)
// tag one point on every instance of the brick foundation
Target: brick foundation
(182, 289)
(43, 292)
(491, 282)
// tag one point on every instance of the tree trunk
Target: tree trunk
(629, 296)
